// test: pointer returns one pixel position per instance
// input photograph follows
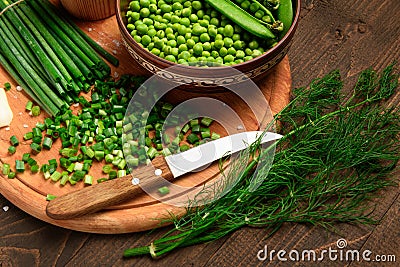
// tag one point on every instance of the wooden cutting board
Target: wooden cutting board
(28, 191)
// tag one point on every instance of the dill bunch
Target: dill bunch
(334, 157)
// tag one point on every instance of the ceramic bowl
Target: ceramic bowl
(89, 9)
(201, 77)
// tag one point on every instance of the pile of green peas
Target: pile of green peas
(190, 32)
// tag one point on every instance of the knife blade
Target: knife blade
(99, 196)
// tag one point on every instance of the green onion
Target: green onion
(28, 106)
(192, 138)
(14, 140)
(28, 136)
(88, 179)
(55, 176)
(50, 197)
(47, 143)
(19, 166)
(163, 190)
(7, 86)
(206, 121)
(12, 150)
(26, 157)
(35, 111)
(6, 168)
(11, 175)
(35, 168)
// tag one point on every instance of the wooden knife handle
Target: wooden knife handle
(99, 196)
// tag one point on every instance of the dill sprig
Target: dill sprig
(334, 157)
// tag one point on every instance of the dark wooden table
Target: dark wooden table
(333, 34)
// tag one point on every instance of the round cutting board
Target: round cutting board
(28, 191)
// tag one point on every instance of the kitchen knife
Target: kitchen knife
(97, 197)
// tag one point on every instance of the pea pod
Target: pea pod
(285, 15)
(241, 18)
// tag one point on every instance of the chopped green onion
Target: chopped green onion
(192, 138)
(206, 121)
(88, 179)
(29, 105)
(6, 169)
(35, 168)
(11, 175)
(50, 197)
(55, 176)
(7, 86)
(47, 143)
(35, 111)
(26, 157)
(14, 140)
(12, 150)
(28, 136)
(19, 166)
(163, 190)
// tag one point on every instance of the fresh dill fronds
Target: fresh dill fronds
(333, 159)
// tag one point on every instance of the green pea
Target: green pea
(231, 51)
(254, 7)
(184, 55)
(204, 37)
(190, 43)
(150, 46)
(171, 36)
(167, 50)
(240, 54)
(193, 18)
(223, 52)
(180, 40)
(167, 16)
(192, 60)
(160, 26)
(161, 55)
(245, 4)
(186, 12)
(259, 14)
(134, 6)
(159, 44)
(214, 14)
(256, 53)
(201, 59)
(146, 40)
(197, 49)
(214, 54)
(204, 23)
(178, 12)
(196, 39)
(238, 44)
(142, 28)
(212, 31)
(196, 5)
(133, 33)
(137, 38)
(171, 43)
(144, 12)
(182, 29)
(238, 61)
(144, 3)
(253, 44)
(219, 60)
(200, 14)
(175, 51)
(229, 58)
(187, 4)
(177, 6)
(248, 51)
(228, 42)
(198, 30)
(148, 21)
(210, 59)
(207, 46)
(205, 54)
(228, 30)
(152, 32)
(176, 26)
(218, 44)
(214, 21)
(170, 58)
(182, 47)
(165, 8)
(219, 37)
(224, 22)
(266, 19)
(135, 16)
(153, 8)
(130, 27)
(183, 62)
(188, 35)
(155, 51)
(160, 34)
(236, 37)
